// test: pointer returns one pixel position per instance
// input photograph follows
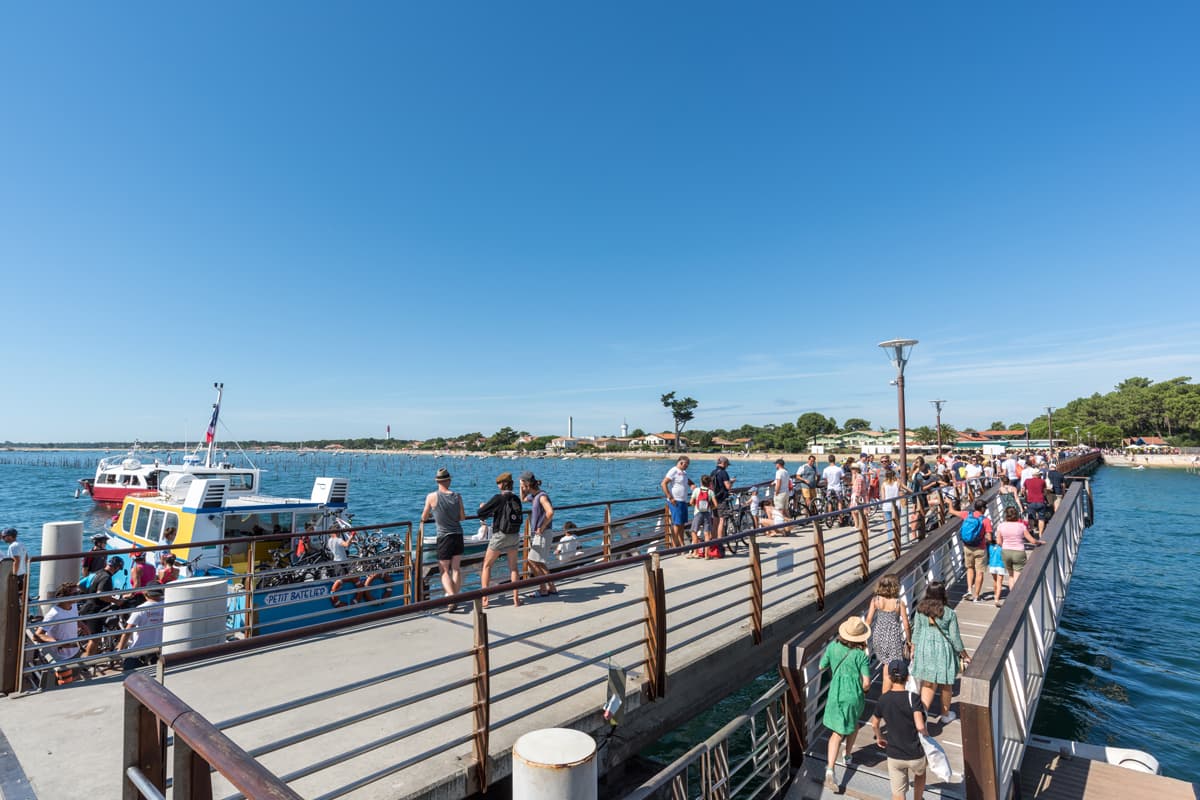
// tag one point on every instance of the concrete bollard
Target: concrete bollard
(554, 764)
(200, 621)
(59, 537)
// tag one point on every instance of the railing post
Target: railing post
(864, 545)
(250, 586)
(526, 572)
(756, 591)
(192, 778)
(145, 747)
(406, 573)
(418, 566)
(819, 565)
(979, 758)
(668, 528)
(656, 630)
(11, 633)
(941, 511)
(896, 543)
(607, 531)
(482, 697)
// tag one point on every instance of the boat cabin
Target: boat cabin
(205, 509)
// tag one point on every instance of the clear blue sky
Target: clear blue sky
(455, 216)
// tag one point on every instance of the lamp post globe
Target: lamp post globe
(898, 352)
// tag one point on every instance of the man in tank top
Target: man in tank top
(445, 508)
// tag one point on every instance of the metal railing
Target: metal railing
(999, 691)
(151, 712)
(479, 683)
(747, 758)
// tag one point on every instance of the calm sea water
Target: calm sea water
(36, 488)
(1126, 668)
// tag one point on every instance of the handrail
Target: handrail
(150, 712)
(1000, 689)
(767, 757)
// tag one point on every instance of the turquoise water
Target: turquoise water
(1126, 668)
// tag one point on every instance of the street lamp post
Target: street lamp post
(938, 405)
(1050, 428)
(898, 351)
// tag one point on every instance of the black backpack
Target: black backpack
(511, 515)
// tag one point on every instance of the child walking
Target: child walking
(887, 616)
(702, 502)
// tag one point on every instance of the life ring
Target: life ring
(365, 594)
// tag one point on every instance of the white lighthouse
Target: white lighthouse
(624, 429)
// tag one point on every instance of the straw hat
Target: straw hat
(854, 630)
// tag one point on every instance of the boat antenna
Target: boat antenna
(210, 436)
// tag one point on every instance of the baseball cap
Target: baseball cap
(9, 532)
(100, 537)
(117, 562)
(898, 668)
(528, 477)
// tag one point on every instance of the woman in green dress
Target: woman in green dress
(850, 678)
(937, 646)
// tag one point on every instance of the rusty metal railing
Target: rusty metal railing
(151, 714)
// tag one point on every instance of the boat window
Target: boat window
(172, 521)
(143, 520)
(154, 530)
(127, 517)
(240, 481)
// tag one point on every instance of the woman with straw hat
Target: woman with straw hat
(850, 678)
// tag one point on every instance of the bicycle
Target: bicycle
(737, 520)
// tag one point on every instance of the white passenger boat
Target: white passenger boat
(119, 476)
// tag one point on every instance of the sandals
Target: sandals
(830, 783)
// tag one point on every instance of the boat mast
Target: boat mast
(211, 436)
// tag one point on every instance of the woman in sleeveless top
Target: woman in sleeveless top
(541, 517)
(888, 618)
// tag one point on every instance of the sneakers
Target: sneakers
(949, 717)
(968, 598)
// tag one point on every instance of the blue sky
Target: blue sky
(455, 216)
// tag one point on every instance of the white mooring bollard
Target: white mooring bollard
(201, 618)
(58, 537)
(554, 764)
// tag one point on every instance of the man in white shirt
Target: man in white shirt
(1010, 469)
(677, 487)
(144, 629)
(833, 476)
(16, 551)
(61, 624)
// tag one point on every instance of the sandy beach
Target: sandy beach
(1183, 460)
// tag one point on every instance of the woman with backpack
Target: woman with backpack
(541, 517)
(507, 515)
(937, 648)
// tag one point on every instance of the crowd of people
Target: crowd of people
(921, 650)
(502, 523)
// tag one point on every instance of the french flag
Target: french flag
(212, 425)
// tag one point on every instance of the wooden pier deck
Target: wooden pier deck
(548, 662)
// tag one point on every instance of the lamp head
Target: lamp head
(898, 351)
